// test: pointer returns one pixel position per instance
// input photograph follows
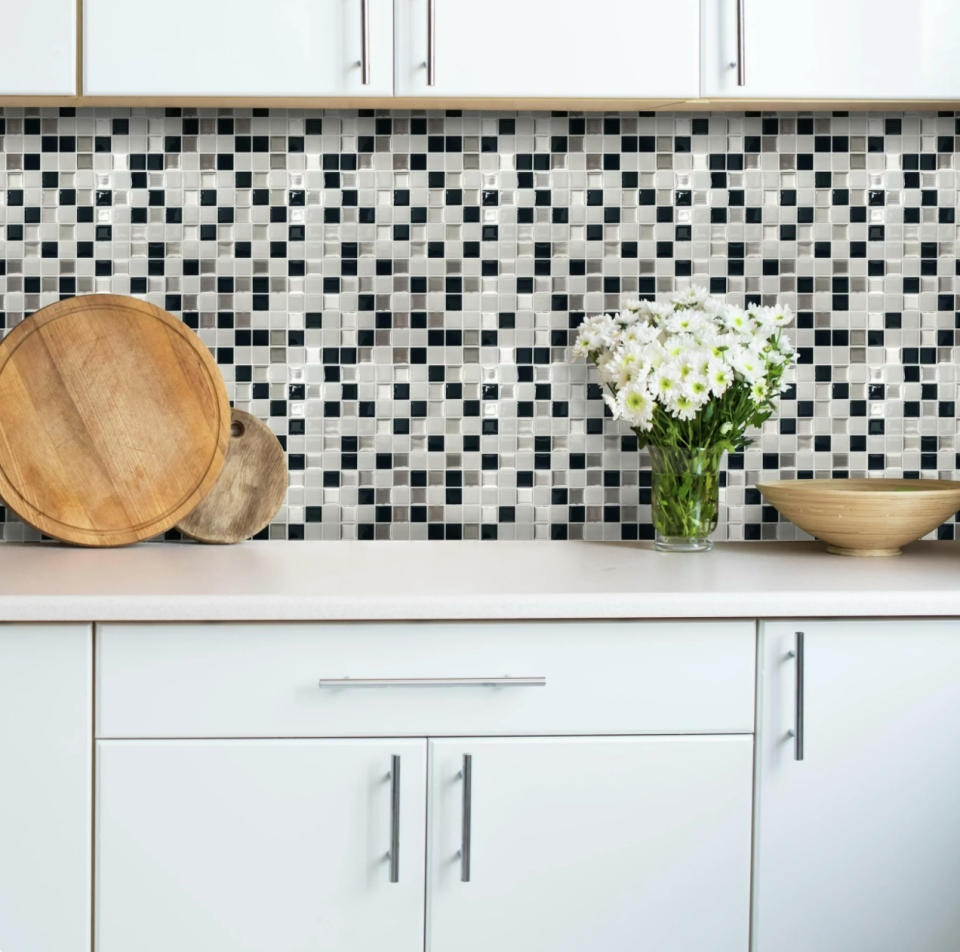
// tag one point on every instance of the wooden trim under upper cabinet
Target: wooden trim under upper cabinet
(351, 102)
(815, 105)
(532, 104)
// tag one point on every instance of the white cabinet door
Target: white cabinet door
(822, 49)
(46, 748)
(39, 48)
(244, 846)
(237, 47)
(619, 844)
(857, 843)
(605, 48)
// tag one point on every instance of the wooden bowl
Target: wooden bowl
(864, 516)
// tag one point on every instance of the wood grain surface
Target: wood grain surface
(114, 420)
(864, 517)
(250, 489)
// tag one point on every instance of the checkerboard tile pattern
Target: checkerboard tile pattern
(395, 292)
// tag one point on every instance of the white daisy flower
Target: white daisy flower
(636, 406)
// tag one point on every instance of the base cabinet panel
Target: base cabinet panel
(856, 843)
(46, 730)
(244, 846)
(619, 844)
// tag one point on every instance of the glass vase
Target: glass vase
(685, 496)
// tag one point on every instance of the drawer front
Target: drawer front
(417, 679)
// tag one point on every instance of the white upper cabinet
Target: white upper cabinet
(238, 48)
(857, 829)
(824, 49)
(39, 48)
(603, 48)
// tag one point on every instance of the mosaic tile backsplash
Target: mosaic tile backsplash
(395, 293)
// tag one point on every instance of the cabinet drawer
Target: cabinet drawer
(264, 680)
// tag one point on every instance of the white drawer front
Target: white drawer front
(264, 680)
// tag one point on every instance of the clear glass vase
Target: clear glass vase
(685, 496)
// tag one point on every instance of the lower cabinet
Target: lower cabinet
(246, 846)
(569, 844)
(857, 825)
(46, 753)
(509, 786)
(615, 843)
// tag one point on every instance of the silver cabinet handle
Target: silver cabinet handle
(365, 42)
(798, 700)
(395, 818)
(797, 732)
(741, 44)
(507, 681)
(431, 42)
(467, 817)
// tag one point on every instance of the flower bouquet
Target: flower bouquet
(689, 375)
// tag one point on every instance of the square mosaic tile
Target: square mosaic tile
(396, 292)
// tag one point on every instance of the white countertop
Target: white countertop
(448, 580)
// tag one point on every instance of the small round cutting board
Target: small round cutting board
(250, 490)
(114, 420)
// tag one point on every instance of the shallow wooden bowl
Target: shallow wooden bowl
(864, 516)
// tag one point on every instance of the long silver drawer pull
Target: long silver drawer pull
(467, 775)
(741, 44)
(798, 700)
(507, 681)
(431, 42)
(365, 42)
(395, 818)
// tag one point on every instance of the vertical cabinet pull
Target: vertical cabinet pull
(741, 44)
(798, 699)
(431, 42)
(467, 818)
(365, 42)
(395, 818)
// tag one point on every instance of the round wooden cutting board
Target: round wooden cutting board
(114, 420)
(251, 487)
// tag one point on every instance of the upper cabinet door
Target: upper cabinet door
(856, 841)
(238, 48)
(572, 844)
(822, 49)
(604, 48)
(39, 49)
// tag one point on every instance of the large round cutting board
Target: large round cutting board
(114, 420)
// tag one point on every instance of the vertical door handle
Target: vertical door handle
(467, 817)
(365, 42)
(395, 818)
(741, 44)
(431, 42)
(798, 698)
